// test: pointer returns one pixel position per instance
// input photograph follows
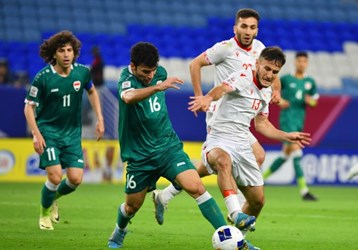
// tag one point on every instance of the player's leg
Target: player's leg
(54, 175)
(255, 199)
(72, 161)
(260, 155)
(257, 150)
(191, 183)
(140, 179)
(278, 162)
(126, 212)
(220, 161)
(353, 172)
(296, 154)
(161, 198)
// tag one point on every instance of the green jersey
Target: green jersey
(294, 90)
(144, 128)
(58, 102)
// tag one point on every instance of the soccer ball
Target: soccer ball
(228, 238)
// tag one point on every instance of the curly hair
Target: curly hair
(144, 53)
(48, 47)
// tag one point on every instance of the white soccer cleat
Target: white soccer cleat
(55, 216)
(353, 172)
(45, 223)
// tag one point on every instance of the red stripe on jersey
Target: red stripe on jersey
(255, 81)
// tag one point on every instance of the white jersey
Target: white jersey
(232, 118)
(228, 57)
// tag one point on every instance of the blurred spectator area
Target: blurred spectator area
(328, 29)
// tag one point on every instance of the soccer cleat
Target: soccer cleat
(159, 207)
(353, 172)
(45, 219)
(117, 237)
(249, 246)
(55, 216)
(45, 223)
(309, 197)
(245, 222)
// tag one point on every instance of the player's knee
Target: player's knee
(55, 179)
(132, 208)
(75, 180)
(260, 157)
(195, 189)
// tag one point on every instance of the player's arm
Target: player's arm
(132, 96)
(195, 73)
(266, 128)
(311, 100)
(202, 103)
(96, 106)
(276, 91)
(38, 140)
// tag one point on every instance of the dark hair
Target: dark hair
(144, 53)
(301, 54)
(274, 54)
(246, 13)
(48, 47)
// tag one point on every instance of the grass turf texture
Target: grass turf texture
(88, 217)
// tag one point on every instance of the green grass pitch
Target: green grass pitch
(88, 217)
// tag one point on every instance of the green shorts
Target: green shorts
(57, 152)
(168, 164)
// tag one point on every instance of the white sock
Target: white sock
(233, 205)
(203, 198)
(168, 193)
(241, 197)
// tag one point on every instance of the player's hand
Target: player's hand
(99, 130)
(199, 103)
(276, 97)
(170, 82)
(284, 104)
(39, 143)
(300, 138)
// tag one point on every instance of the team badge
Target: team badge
(33, 91)
(126, 84)
(308, 85)
(77, 85)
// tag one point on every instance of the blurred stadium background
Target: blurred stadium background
(327, 29)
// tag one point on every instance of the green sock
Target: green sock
(275, 165)
(123, 219)
(47, 197)
(65, 188)
(212, 213)
(301, 180)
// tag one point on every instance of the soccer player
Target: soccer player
(148, 142)
(245, 95)
(239, 52)
(298, 92)
(53, 112)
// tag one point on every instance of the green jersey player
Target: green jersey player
(148, 142)
(298, 92)
(53, 112)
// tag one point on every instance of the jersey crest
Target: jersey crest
(77, 85)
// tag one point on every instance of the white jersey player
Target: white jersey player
(230, 56)
(227, 150)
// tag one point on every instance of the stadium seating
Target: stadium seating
(328, 29)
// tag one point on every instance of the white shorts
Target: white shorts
(245, 170)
